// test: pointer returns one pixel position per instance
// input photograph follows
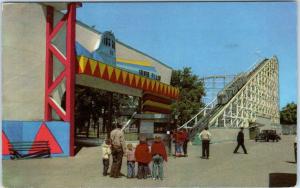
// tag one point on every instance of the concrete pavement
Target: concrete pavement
(223, 169)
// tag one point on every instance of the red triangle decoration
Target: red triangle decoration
(127, 81)
(149, 86)
(113, 76)
(44, 134)
(97, 71)
(133, 84)
(88, 70)
(105, 74)
(5, 143)
(120, 80)
(139, 84)
(144, 85)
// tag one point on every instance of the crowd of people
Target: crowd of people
(181, 139)
(143, 154)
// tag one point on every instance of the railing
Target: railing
(206, 113)
(255, 66)
(195, 119)
(129, 121)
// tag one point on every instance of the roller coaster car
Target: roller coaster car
(229, 92)
(267, 135)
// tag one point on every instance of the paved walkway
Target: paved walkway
(223, 169)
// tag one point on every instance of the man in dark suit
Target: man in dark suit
(240, 141)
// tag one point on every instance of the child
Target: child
(130, 161)
(159, 154)
(143, 157)
(106, 151)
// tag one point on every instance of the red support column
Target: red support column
(70, 86)
(49, 63)
(68, 60)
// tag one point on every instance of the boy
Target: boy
(106, 152)
(159, 154)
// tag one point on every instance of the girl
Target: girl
(130, 161)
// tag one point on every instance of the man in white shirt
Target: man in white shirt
(205, 136)
(118, 150)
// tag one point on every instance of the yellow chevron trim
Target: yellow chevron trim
(82, 63)
(157, 104)
(93, 65)
(130, 77)
(169, 88)
(164, 89)
(160, 87)
(102, 68)
(118, 72)
(157, 85)
(134, 62)
(110, 70)
(147, 82)
(142, 81)
(172, 89)
(124, 74)
(137, 78)
(152, 83)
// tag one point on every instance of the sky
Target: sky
(211, 37)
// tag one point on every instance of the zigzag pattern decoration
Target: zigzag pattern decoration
(44, 134)
(107, 72)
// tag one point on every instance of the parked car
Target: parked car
(267, 135)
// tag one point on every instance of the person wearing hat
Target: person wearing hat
(240, 141)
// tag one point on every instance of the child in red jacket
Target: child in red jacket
(159, 154)
(143, 157)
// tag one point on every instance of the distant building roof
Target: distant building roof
(117, 40)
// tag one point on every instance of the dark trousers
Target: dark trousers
(143, 170)
(105, 166)
(205, 148)
(117, 155)
(185, 145)
(237, 147)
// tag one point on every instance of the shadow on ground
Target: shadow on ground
(86, 142)
(292, 162)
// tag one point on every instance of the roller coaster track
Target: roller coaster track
(258, 97)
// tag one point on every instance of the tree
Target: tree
(288, 114)
(191, 91)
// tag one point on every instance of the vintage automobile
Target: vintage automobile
(267, 135)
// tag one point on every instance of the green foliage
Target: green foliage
(92, 104)
(288, 115)
(191, 91)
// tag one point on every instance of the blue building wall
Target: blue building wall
(18, 131)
